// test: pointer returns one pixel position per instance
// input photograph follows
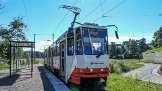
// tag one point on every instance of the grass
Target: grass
(39, 61)
(74, 88)
(142, 60)
(36, 62)
(154, 50)
(135, 66)
(121, 83)
(4, 66)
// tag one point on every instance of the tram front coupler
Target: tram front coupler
(100, 86)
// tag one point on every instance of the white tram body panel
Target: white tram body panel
(84, 61)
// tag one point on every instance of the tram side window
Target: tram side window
(58, 49)
(70, 46)
(45, 53)
(106, 44)
(51, 52)
(48, 55)
(79, 48)
(54, 51)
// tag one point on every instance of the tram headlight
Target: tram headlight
(91, 70)
(80, 70)
(102, 70)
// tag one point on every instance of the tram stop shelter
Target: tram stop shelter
(14, 57)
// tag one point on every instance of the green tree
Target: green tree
(134, 48)
(118, 51)
(125, 49)
(112, 50)
(142, 45)
(4, 34)
(15, 31)
(157, 38)
(21, 52)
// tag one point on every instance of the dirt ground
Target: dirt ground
(24, 82)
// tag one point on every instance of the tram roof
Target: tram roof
(92, 25)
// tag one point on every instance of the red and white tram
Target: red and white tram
(80, 56)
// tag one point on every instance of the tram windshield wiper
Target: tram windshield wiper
(98, 55)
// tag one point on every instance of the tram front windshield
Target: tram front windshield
(95, 41)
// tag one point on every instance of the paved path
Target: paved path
(147, 73)
(25, 82)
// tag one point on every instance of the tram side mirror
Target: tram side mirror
(116, 34)
(116, 31)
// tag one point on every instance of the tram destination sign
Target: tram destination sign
(22, 44)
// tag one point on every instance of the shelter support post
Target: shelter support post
(10, 59)
(31, 62)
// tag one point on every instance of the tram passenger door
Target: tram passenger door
(63, 59)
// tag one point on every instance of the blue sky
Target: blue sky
(135, 18)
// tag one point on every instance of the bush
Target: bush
(115, 67)
(124, 66)
(118, 67)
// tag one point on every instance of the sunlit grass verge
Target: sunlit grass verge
(120, 66)
(4, 66)
(154, 50)
(142, 60)
(121, 83)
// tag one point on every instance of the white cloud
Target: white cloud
(126, 38)
(39, 46)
